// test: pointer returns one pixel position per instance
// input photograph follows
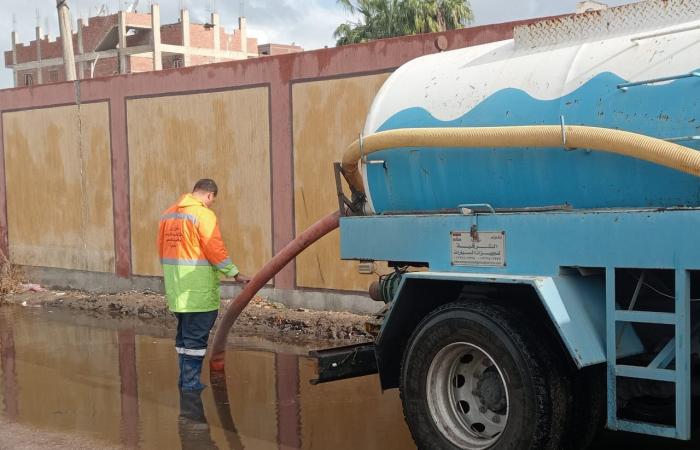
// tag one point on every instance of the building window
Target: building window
(53, 75)
(28, 79)
(177, 62)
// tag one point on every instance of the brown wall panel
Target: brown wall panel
(174, 141)
(328, 115)
(59, 187)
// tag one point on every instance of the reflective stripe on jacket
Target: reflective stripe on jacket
(193, 254)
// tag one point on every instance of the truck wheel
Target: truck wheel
(588, 408)
(474, 376)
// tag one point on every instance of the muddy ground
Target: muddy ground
(261, 318)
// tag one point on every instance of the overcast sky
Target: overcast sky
(309, 23)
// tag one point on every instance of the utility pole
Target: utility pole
(15, 40)
(66, 39)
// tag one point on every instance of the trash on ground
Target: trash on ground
(30, 287)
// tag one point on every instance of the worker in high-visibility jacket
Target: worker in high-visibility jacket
(193, 256)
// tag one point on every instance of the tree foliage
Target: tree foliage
(379, 19)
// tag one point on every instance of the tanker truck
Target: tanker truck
(537, 201)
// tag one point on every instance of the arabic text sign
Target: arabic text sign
(488, 249)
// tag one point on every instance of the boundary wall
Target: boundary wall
(86, 167)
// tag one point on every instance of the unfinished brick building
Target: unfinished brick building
(128, 42)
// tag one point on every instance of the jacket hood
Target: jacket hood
(189, 200)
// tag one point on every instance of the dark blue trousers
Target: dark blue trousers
(191, 345)
(193, 332)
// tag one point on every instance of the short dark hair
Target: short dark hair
(206, 185)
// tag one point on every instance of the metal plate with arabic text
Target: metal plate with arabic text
(486, 249)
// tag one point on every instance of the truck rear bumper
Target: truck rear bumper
(345, 362)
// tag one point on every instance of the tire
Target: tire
(475, 376)
(588, 408)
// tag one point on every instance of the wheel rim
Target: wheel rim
(467, 396)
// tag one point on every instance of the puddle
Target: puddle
(115, 381)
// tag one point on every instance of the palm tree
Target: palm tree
(388, 18)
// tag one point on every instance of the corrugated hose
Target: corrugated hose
(571, 137)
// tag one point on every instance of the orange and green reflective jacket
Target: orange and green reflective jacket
(193, 256)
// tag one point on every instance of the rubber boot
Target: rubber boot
(191, 370)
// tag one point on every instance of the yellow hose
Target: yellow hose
(625, 143)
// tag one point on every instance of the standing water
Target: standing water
(115, 382)
(68, 380)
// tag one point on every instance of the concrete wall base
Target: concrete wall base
(109, 283)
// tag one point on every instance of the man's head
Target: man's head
(205, 190)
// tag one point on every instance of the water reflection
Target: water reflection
(192, 423)
(117, 382)
(7, 368)
(223, 410)
(288, 420)
(128, 387)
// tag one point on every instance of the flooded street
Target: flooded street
(68, 380)
(110, 381)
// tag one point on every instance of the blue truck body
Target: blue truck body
(602, 248)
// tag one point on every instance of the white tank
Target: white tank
(577, 70)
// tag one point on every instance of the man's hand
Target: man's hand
(241, 278)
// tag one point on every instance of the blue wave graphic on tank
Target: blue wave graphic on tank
(432, 179)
